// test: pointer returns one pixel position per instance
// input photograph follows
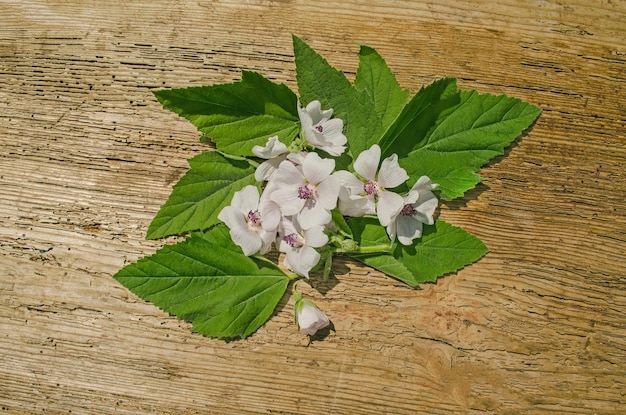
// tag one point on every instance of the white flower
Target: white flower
(299, 244)
(310, 318)
(419, 207)
(360, 198)
(320, 130)
(309, 191)
(275, 152)
(252, 222)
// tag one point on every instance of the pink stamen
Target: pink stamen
(408, 210)
(254, 217)
(293, 240)
(306, 193)
(319, 128)
(370, 187)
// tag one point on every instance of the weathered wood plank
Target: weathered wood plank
(88, 156)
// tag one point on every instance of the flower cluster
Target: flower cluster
(302, 188)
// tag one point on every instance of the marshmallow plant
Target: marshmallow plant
(354, 169)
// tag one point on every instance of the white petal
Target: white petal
(249, 241)
(314, 109)
(366, 163)
(232, 217)
(272, 149)
(408, 229)
(332, 130)
(311, 319)
(392, 229)
(247, 199)
(349, 181)
(287, 198)
(289, 225)
(302, 260)
(270, 214)
(425, 207)
(314, 137)
(268, 169)
(315, 237)
(388, 207)
(333, 150)
(331, 140)
(270, 186)
(313, 215)
(328, 192)
(351, 201)
(288, 174)
(356, 206)
(391, 174)
(316, 169)
(423, 183)
(411, 197)
(264, 171)
(267, 238)
(305, 118)
(297, 158)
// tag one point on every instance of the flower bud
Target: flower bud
(310, 318)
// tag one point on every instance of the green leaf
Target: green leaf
(374, 76)
(240, 115)
(317, 80)
(208, 281)
(200, 194)
(466, 137)
(443, 248)
(418, 117)
(340, 222)
(369, 233)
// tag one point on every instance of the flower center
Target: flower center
(408, 210)
(319, 128)
(306, 192)
(293, 240)
(254, 218)
(371, 188)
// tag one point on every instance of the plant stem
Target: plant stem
(373, 249)
(293, 276)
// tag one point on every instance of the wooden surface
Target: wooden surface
(87, 157)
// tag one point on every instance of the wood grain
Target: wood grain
(88, 156)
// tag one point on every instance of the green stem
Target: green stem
(293, 276)
(373, 249)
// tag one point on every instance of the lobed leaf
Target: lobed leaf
(443, 248)
(200, 194)
(465, 137)
(239, 115)
(418, 116)
(374, 77)
(208, 281)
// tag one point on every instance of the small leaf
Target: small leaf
(466, 137)
(374, 76)
(317, 80)
(340, 222)
(200, 194)
(368, 232)
(240, 115)
(443, 248)
(208, 281)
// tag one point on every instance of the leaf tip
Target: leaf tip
(296, 40)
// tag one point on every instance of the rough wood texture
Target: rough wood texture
(88, 156)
